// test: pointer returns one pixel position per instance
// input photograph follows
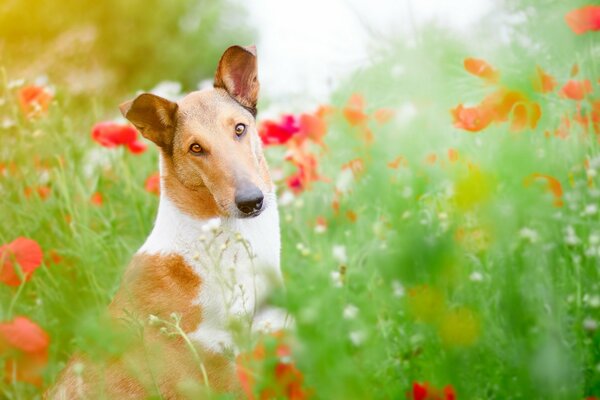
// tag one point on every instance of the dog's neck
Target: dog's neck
(176, 231)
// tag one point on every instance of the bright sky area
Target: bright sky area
(305, 46)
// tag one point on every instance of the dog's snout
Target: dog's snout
(249, 200)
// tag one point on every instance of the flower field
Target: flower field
(440, 222)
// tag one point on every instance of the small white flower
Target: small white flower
(398, 288)
(337, 279)
(476, 276)
(594, 238)
(571, 237)
(167, 89)
(350, 311)
(591, 173)
(15, 83)
(286, 198)
(590, 209)
(212, 225)
(339, 254)
(590, 324)
(344, 180)
(407, 192)
(594, 301)
(357, 337)
(529, 235)
(8, 123)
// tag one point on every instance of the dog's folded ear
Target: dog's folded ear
(237, 73)
(153, 116)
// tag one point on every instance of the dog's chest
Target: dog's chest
(237, 261)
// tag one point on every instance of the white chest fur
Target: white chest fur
(238, 264)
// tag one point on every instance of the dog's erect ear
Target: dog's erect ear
(153, 116)
(238, 74)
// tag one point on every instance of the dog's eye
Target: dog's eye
(195, 148)
(240, 129)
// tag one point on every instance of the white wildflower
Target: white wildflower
(590, 324)
(407, 192)
(398, 288)
(571, 237)
(590, 209)
(357, 337)
(286, 198)
(344, 180)
(476, 276)
(529, 235)
(336, 277)
(339, 254)
(212, 225)
(350, 311)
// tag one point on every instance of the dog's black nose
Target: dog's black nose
(249, 200)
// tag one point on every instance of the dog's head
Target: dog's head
(211, 152)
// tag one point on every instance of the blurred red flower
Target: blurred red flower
(354, 110)
(284, 379)
(24, 345)
(152, 184)
(97, 199)
(543, 82)
(424, 391)
(576, 90)
(584, 19)
(111, 134)
(553, 186)
(42, 191)
(481, 69)
(274, 133)
(34, 100)
(472, 119)
(24, 252)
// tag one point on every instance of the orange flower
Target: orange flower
(152, 184)
(25, 346)
(584, 19)
(282, 378)
(472, 119)
(543, 82)
(576, 90)
(354, 110)
(481, 69)
(42, 191)
(97, 199)
(351, 215)
(34, 100)
(25, 253)
(398, 162)
(553, 186)
(452, 155)
(313, 127)
(431, 158)
(383, 115)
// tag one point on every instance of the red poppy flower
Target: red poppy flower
(482, 69)
(472, 119)
(42, 191)
(25, 253)
(152, 184)
(313, 127)
(25, 346)
(274, 133)
(284, 381)
(354, 110)
(543, 82)
(111, 134)
(34, 100)
(584, 19)
(553, 186)
(97, 199)
(576, 90)
(424, 391)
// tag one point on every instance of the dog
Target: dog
(205, 273)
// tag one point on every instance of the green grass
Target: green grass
(456, 273)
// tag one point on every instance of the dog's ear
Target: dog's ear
(238, 74)
(153, 116)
